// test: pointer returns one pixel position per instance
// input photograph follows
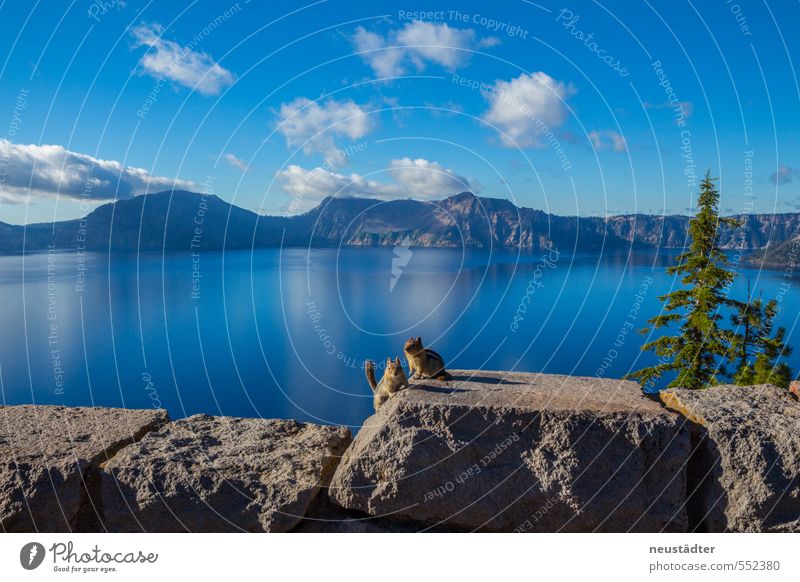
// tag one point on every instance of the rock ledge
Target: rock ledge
(520, 452)
(49, 457)
(211, 474)
(746, 463)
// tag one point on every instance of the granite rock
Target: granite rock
(746, 463)
(502, 451)
(212, 474)
(49, 459)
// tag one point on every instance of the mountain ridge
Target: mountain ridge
(182, 220)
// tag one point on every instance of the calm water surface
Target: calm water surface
(284, 334)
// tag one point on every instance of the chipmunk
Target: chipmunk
(424, 363)
(394, 378)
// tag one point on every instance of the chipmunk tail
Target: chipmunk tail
(369, 371)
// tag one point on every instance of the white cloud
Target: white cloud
(308, 187)
(437, 43)
(314, 127)
(386, 62)
(527, 108)
(415, 45)
(687, 108)
(607, 140)
(784, 175)
(489, 42)
(424, 179)
(50, 170)
(420, 179)
(236, 162)
(166, 59)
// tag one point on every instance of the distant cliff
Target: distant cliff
(784, 254)
(183, 221)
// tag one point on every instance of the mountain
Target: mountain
(784, 254)
(179, 220)
(166, 220)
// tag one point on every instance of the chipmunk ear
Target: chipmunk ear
(397, 361)
(419, 339)
(388, 361)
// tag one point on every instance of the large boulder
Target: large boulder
(49, 459)
(214, 474)
(520, 452)
(746, 463)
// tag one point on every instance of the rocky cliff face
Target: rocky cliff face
(211, 474)
(746, 470)
(50, 457)
(105, 469)
(487, 451)
(783, 255)
(168, 220)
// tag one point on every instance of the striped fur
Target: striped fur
(424, 362)
(394, 379)
(434, 356)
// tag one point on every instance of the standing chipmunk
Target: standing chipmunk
(424, 363)
(394, 378)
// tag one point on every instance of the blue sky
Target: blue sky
(274, 105)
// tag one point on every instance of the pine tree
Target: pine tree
(749, 318)
(759, 351)
(697, 353)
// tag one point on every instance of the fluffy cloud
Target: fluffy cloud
(424, 179)
(166, 59)
(386, 62)
(308, 187)
(314, 127)
(50, 170)
(607, 140)
(418, 178)
(527, 108)
(784, 175)
(236, 162)
(415, 45)
(489, 42)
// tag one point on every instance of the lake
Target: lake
(284, 333)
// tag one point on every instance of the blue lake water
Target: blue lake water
(283, 333)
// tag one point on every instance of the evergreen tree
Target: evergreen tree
(758, 350)
(749, 318)
(697, 353)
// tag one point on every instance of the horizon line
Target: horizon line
(380, 201)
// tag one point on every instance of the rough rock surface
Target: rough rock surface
(747, 457)
(520, 452)
(794, 388)
(209, 474)
(323, 516)
(48, 455)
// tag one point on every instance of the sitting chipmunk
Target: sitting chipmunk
(424, 363)
(394, 378)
